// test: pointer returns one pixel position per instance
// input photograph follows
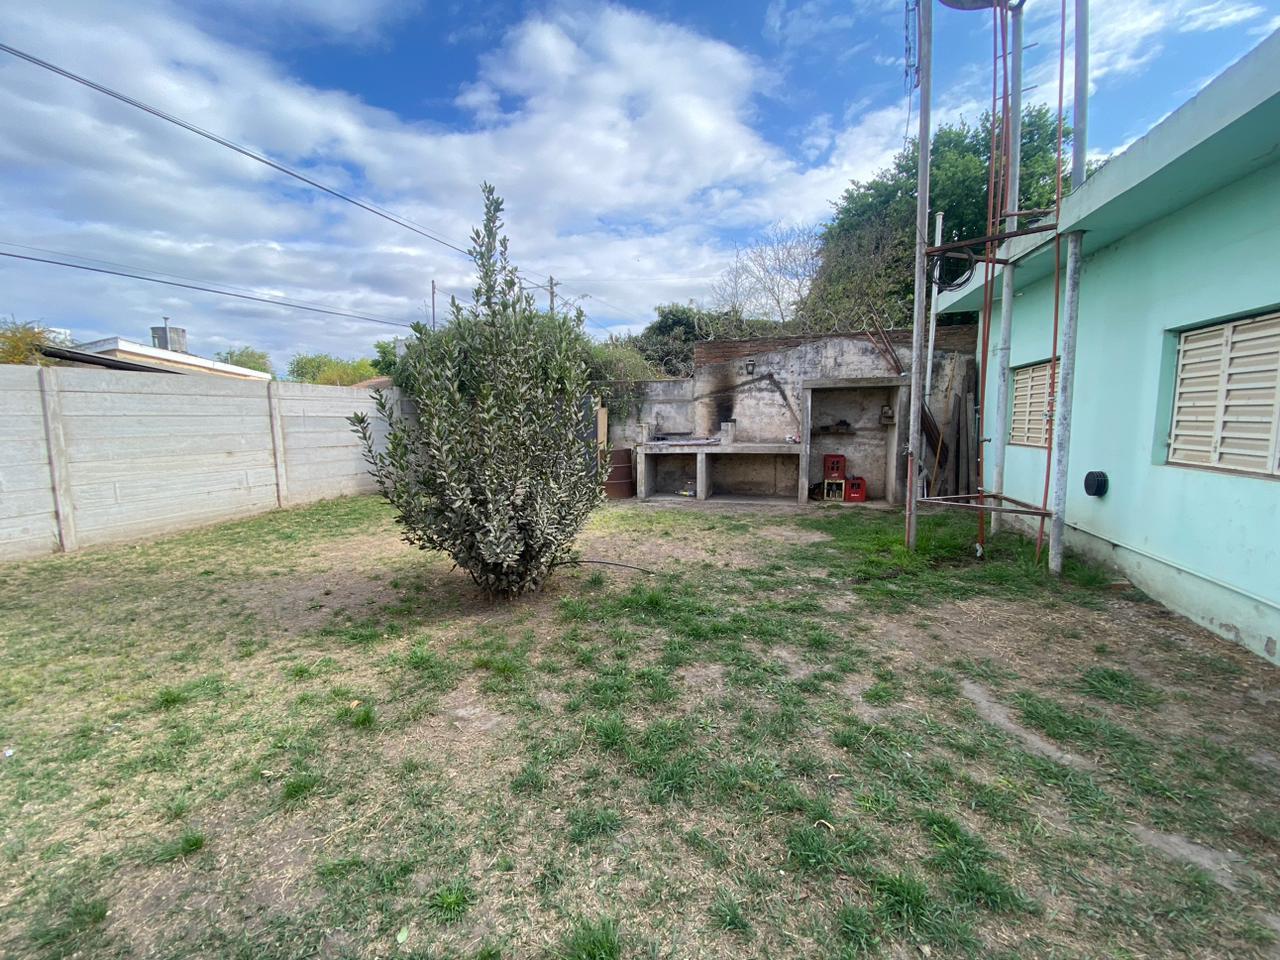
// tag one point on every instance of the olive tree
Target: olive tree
(496, 463)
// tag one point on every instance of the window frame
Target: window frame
(1227, 410)
(1013, 436)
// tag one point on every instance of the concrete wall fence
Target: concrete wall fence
(89, 457)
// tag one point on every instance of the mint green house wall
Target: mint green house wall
(1205, 543)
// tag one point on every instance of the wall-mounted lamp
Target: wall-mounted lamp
(750, 365)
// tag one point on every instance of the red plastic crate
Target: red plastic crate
(855, 491)
(833, 466)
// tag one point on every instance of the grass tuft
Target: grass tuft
(727, 914)
(450, 902)
(857, 930)
(298, 786)
(589, 822)
(1118, 686)
(820, 849)
(66, 922)
(358, 716)
(181, 846)
(591, 940)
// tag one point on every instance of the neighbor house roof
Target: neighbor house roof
(172, 358)
(375, 383)
(1227, 131)
(101, 360)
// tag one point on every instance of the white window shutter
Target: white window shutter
(1029, 416)
(1226, 404)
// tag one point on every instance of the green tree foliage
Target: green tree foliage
(248, 357)
(20, 342)
(330, 370)
(616, 359)
(385, 360)
(614, 367)
(667, 342)
(499, 467)
(867, 259)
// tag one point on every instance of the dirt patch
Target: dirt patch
(998, 715)
(1266, 758)
(460, 735)
(270, 863)
(853, 689)
(797, 536)
(349, 575)
(1225, 867)
(659, 554)
(1264, 696)
(704, 679)
(795, 665)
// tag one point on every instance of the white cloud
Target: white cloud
(626, 147)
(1218, 15)
(1125, 36)
(359, 19)
(616, 129)
(800, 24)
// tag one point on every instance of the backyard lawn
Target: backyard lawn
(294, 736)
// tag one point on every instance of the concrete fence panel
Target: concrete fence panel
(28, 520)
(90, 457)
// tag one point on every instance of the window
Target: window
(1029, 423)
(1226, 402)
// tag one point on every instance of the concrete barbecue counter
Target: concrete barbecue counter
(703, 454)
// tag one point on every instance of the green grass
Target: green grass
(202, 688)
(590, 822)
(1118, 686)
(184, 845)
(359, 716)
(298, 786)
(68, 919)
(591, 940)
(824, 849)
(727, 914)
(450, 902)
(282, 705)
(857, 930)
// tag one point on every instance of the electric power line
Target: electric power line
(232, 145)
(276, 302)
(244, 151)
(164, 273)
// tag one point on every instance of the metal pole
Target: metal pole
(433, 305)
(551, 296)
(1075, 245)
(999, 427)
(922, 228)
(933, 312)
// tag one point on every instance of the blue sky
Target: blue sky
(635, 144)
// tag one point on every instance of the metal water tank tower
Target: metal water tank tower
(169, 338)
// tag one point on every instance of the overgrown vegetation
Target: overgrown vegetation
(326, 369)
(21, 341)
(249, 357)
(498, 467)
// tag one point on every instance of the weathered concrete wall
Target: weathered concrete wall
(866, 448)
(674, 473)
(756, 476)
(767, 403)
(666, 404)
(90, 456)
